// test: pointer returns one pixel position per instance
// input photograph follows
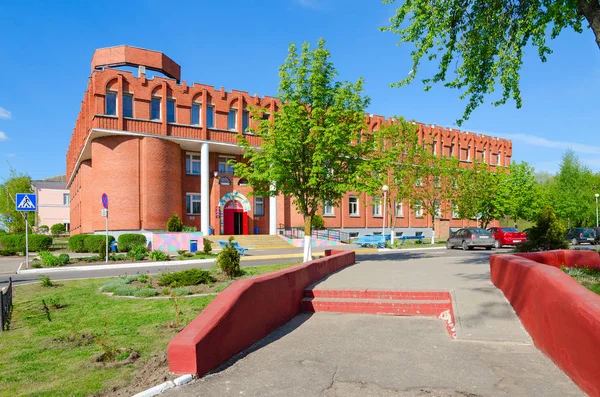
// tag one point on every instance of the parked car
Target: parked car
(469, 238)
(597, 229)
(578, 235)
(507, 236)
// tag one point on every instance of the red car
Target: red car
(507, 236)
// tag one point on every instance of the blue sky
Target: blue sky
(46, 49)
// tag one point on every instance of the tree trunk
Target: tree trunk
(590, 9)
(307, 238)
(433, 229)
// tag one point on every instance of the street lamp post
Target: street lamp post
(596, 195)
(385, 189)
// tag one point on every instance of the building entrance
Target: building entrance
(235, 218)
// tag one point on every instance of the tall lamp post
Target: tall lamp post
(385, 189)
(596, 195)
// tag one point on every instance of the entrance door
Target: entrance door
(235, 218)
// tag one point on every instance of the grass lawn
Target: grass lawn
(49, 353)
(589, 278)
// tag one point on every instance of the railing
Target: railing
(6, 306)
(331, 235)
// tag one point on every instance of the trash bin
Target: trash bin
(255, 229)
(193, 245)
(211, 231)
(113, 246)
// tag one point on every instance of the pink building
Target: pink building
(53, 199)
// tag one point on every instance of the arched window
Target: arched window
(224, 181)
(243, 182)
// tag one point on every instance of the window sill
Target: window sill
(328, 215)
(192, 174)
(193, 214)
(355, 216)
(377, 216)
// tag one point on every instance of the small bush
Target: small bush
(43, 229)
(118, 257)
(159, 256)
(77, 243)
(57, 229)
(49, 260)
(102, 250)
(46, 282)
(16, 242)
(228, 260)
(8, 252)
(36, 265)
(181, 252)
(64, 259)
(317, 222)
(145, 292)
(185, 278)
(127, 241)
(180, 291)
(143, 278)
(207, 246)
(138, 253)
(130, 279)
(547, 234)
(189, 229)
(174, 224)
(93, 242)
(125, 290)
(112, 285)
(38, 242)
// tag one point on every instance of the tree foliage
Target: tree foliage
(520, 193)
(15, 183)
(309, 150)
(481, 43)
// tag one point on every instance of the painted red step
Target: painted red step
(377, 294)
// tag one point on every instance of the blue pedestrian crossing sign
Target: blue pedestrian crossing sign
(26, 202)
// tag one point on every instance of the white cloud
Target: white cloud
(3, 136)
(5, 114)
(314, 4)
(11, 155)
(562, 145)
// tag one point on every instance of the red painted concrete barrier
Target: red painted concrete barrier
(247, 311)
(561, 316)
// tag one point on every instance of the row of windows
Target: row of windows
(353, 208)
(156, 111)
(483, 153)
(192, 204)
(192, 164)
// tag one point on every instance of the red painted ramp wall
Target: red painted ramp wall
(246, 312)
(561, 316)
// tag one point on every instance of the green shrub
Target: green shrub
(16, 242)
(145, 292)
(207, 246)
(77, 243)
(36, 265)
(112, 285)
(43, 229)
(189, 229)
(39, 242)
(49, 260)
(317, 222)
(125, 290)
(138, 253)
(46, 282)
(127, 241)
(228, 260)
(547, 234)
(64, 259)
(174, 224)
(159, 256)
(185, 278)
(8, 252)
(57, 229)
(118, 257)
(143, 278)
(93, 242)
(180, 291)
(181, 252)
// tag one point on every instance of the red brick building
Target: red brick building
(158, 146)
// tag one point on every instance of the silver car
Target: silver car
(469, 238)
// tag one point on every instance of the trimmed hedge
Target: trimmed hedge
(127, 241)
(88, 242)
(16, 242)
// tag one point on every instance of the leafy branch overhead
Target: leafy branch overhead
(481, 44)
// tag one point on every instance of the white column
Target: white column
(273, 213)
(204, 190)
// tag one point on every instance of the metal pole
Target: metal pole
(384, 201)
(26, 241)
(596, 209)
(107, 237)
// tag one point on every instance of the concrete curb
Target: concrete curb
(409, 249)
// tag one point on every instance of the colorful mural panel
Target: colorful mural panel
(172, 242)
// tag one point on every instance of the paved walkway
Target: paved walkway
(327, 354)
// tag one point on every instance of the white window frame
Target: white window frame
(174, 110)
(235, 127)
(192, 201)
(328, 209)
(399, 214)
(435, 148)
(353, 201)
(455, 214)
(128, 94)
(210, 108)
(437, 181)
(67, 198)
(438, 209)
(419, 209)
(191, 156)
(377, 207)
(259, 200)
(199, 104)
(159, 108)
(226, 166)
(469, 153)
(116, 103)
(419, 182)
(246, 112)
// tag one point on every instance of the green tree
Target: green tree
(479, 195)
(391, 154)
(520, 190)
(436, 184)
(309, 151)
(572, 194)
(482, 43)
(15, 183)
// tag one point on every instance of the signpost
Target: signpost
(105, 215)
(26, 202)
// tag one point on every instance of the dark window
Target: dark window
(170, 111)
(111, 103)
(224, 181)
(196, 109)
(245, 120)
(127, 105)
(155, 109)
(243, 182)
(210, 116)
(232, 120)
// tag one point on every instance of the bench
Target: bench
(404, 238)
(236, 245)
(368, 240)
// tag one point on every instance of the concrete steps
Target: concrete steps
(255, 241)
(382, 302)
